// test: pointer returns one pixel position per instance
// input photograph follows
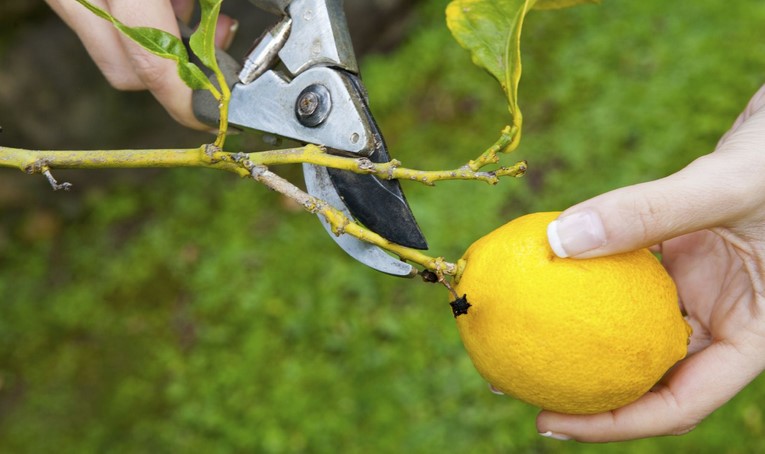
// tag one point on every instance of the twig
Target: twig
(54, 184)
(209, 156)
(388, 171)
(507, 142)
(342, 225)
(35, 161)
(255, 165)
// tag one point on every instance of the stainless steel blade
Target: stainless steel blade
(318, 184)
(379, 204)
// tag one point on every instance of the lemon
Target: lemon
(567, 335)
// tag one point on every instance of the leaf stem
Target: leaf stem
(225, 97)
(508, 141)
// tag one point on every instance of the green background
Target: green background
(192, 311)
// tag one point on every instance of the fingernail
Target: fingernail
(232, 33)
(495, 390)
(555, 436)
(576, 234)
(225, 32)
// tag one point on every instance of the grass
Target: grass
(202, 313)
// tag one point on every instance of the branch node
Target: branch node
(312, 206)
(210, 150)
(366, 165)
(394, 164)
(338, 228)
(257, 171)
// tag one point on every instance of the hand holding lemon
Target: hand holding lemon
(708, 221)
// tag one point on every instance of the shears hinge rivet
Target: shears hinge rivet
(313, 105)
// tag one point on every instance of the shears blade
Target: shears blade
(378, 204)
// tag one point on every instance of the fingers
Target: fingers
(225, 31)
(721, 189)
(694, 389)
(101, 40)
(124, 63)
(647, 214)
(158, 75)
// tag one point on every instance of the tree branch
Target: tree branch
(33, 161)
(208, 156)
(508, 141)
(254, 165)
(388, 171)
(341, 224)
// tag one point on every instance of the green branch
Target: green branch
(508, 141)
(386, 171)
(33, 161)
(254, 165)
(341, 224)
(209, 156)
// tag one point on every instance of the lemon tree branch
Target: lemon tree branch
(390, 170)
(209, 156)
(341, 224)
(255, 165)
(508, 141)
(35, 161)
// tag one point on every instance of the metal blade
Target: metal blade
(318, 184)
(378, 204)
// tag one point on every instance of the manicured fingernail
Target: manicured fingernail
(576, 234)
(225, 32)
(555, 436)
(495, 390)
(232, 33)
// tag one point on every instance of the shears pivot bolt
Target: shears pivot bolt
(313, 105)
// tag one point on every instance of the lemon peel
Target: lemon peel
(567, 335)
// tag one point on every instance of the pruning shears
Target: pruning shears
(301, 81)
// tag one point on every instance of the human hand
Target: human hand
(125, 64)
(708, 221)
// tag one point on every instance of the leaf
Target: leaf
(202, 41)
(160, 43)
(491, 31)
(559, 4)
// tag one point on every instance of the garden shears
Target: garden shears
(301, 81)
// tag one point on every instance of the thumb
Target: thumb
(710, 192)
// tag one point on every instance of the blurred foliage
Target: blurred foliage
(201, 313)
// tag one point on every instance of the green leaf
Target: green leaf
(160, 43)
(202, 41)
(559, 4)
(491, 31)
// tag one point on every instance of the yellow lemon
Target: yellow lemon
(567, 335)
